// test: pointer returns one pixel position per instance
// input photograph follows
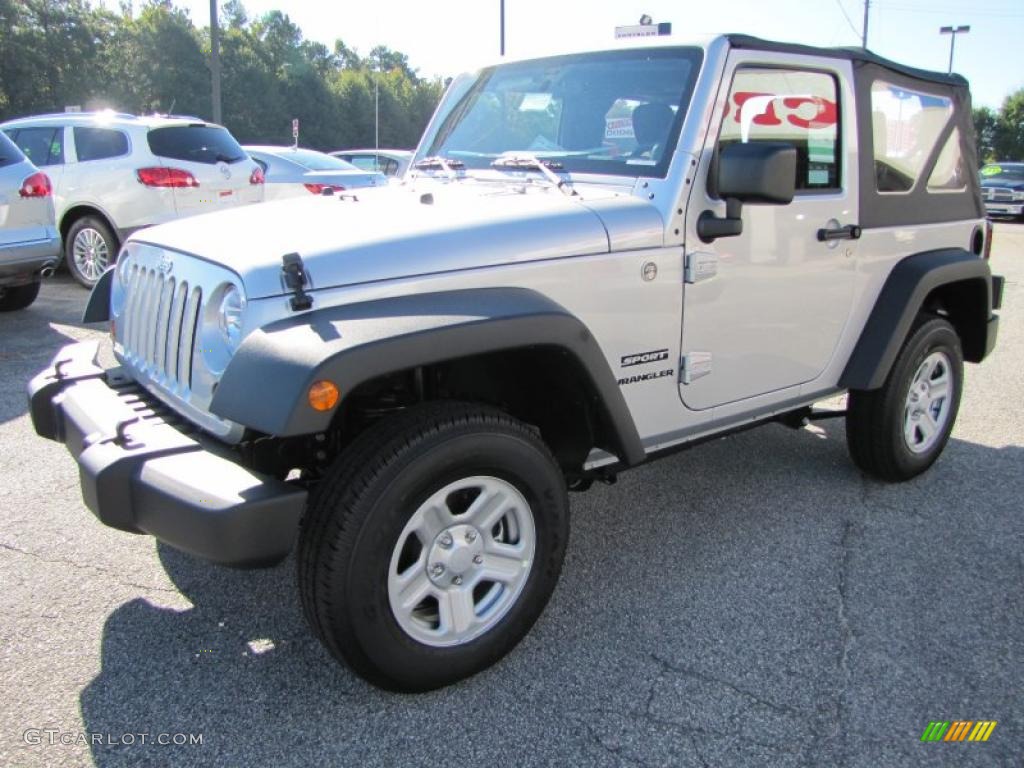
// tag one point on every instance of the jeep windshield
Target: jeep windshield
(613, 112)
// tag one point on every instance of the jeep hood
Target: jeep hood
(398, 231)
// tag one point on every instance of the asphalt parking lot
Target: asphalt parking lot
(755, 601)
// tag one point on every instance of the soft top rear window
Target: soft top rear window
(9, 152)
(195, 144)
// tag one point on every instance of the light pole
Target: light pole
(215, 60)
(502, 27)
(953, 32)
(864, 29)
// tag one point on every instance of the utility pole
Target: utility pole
(376, 109)
(953, 32)
(215, 60)
(864, 32)
(502, 25)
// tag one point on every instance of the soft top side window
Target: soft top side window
(906, 126)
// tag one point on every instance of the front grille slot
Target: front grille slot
(161, 317)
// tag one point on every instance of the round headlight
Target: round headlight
(229, 317)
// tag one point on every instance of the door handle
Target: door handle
(849, 232)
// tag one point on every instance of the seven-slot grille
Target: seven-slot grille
(159, 325)
(998, 194)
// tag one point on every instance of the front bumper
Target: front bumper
(140, 473)
(1004, 209)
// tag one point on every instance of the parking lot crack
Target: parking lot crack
(697, 674)
(845, 636)
(85, 567)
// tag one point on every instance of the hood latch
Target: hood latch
(295, 279)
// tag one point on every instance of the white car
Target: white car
(296, 172)
(390, 162)
(115, 173)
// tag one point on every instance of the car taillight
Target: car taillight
(318, 189)
(36, 185)
(257, 176)
(987, 248)
(166, 177)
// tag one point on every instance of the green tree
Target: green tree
(59, 52)
(985, 123)
(1009, 131)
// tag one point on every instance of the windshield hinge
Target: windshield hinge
(693, 366)
(700, 266)
(295, 279)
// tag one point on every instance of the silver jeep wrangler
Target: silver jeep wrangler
(597, 259)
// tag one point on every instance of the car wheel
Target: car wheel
(89, 248)
(897, 432)
(433, 545)
(18, 297)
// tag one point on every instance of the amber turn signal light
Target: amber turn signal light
(323, 395)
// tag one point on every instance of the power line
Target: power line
(847, 17)
(943, 10)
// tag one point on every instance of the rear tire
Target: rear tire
(89, 248)
(395, 578)
(898, 431)
(12, 299)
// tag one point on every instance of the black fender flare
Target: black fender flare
(908, 286)
(265, 385)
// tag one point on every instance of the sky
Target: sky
(445, 37)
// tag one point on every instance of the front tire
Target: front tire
(433, 545)
(19, 297)
(89, 248)
(897, 432)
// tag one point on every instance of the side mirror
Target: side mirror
(760, 173)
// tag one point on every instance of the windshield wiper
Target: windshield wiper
(222, 158)
(438, 163)
(531, 162)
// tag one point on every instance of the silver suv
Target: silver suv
(596, 260)
(29, 243)
(115, 173)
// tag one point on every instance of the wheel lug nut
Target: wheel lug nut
(478, 559)
(470, 536)
(437, 569)
(445, 540)
(457, 581)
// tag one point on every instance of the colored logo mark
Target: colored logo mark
(958, 730)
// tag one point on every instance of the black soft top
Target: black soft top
(853, 54)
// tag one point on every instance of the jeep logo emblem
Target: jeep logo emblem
(166, 264)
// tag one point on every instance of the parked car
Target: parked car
(29, 241)
(390, 162)
(296, 172)
(403, 385)
(1002, 189)
(115, 173)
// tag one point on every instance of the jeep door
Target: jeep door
(767, 309)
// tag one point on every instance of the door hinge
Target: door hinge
(700, 266)
(693, 366)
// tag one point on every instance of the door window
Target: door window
(99, 143)
(43, 146)
(792, 106)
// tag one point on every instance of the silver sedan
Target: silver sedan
(294, 172)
